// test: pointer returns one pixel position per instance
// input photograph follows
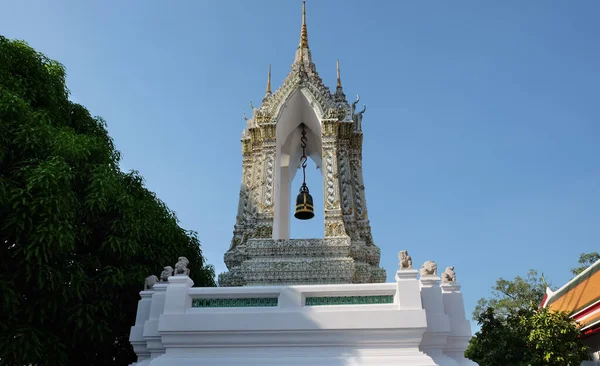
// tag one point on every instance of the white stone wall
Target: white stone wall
(409, 322)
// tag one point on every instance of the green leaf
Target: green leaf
(82, 235)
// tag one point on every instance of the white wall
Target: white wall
(384, 324)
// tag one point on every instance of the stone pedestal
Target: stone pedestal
(333, 325)
(151, 334)
(269, 262)
(460, 328)
(177, 299)
(438, 324)
(410, 322)
(408, 292)
(136, 336)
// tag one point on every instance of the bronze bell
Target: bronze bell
(304, 205)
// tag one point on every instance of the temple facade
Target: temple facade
(261, 250)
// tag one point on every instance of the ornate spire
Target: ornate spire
(339, 79)
(339, 92)
(269, 81)
(303, 52)
(303, 32)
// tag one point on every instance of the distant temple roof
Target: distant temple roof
(580, 298)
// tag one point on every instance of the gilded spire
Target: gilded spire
(303, 52)
(269, 81)
(339, 79)
(303, 32)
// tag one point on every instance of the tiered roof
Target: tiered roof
(303, 75)
(580, 298)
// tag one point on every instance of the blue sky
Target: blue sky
(481, 135)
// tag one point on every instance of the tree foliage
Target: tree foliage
(500, 341)
(78, 236)
(510, 296)
(514, 331)
(554, 338)
(526, 337)
(585, 260)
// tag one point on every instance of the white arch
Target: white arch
(296, 110)
(281, 98)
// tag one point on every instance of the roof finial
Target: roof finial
(339, 79)
(269, 81)
(339, 92)
(303, 33)
(303, 52)
(304, 12)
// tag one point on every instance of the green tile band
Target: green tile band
(235, 303)
(350, 300)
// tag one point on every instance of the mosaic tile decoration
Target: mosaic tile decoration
(349, 300)
(236, 303)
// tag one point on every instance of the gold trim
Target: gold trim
(303, 32)
(305, 207)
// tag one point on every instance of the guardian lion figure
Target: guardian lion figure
(149, 282)
(166, 273)
(449, 276)
(181, 267)
(429, 269)
(405, 260)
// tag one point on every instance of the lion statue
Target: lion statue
(166, 273)
(429, 269)
(405, 260)
(181, 267)
(149, 282)
(449, 276)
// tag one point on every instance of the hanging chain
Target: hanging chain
(303, 159)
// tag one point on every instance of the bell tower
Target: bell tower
(302, 119)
